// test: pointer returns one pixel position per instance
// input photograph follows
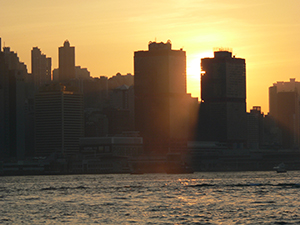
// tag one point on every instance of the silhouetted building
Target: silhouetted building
(122, 98)
(162, 106)
(106, 154)
(55, 75)
(111, 146)
(59, 121)
(288, 118)
(272, 133)
(255, 128)
(66, 64)
(95, 92)
(223, 93)
(119, 80)
(273, 101)
(118, 121)
(281, 86)
(284, 109)
(119, 97)
(107, 115)
(96, 123)
(40, 68)
(13, 74)
(82, 73)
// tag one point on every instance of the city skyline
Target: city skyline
(106, 34)
(160, 95)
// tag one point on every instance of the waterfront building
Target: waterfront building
(223, 92)
(13, 74)
(59, 120)
(284, 99)
(107, 154)
(162, 106)
(281, 86)
(255, 128)
(112, 146)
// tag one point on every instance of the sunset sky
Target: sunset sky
(106, 34)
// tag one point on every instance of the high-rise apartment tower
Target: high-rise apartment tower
(66, 62)
(223, 93)
(284, 99)
(58, 120)
(161, 101)
(40, 68)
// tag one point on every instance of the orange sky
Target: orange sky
(106, 34)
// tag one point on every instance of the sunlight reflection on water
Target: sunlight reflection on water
(199, 198)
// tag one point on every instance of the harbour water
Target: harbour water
(199, 198)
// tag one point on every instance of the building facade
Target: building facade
(255, 128)
(40, 68)
(161, 102)
(59, 121)
(223, 92)
(284, 100)
(66, 63)
(13, 75)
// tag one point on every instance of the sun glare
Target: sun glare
(193, 63)
(193, 72)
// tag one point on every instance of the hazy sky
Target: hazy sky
(106, 34)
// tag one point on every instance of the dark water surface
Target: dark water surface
(199, 198)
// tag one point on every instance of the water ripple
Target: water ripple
(200, 198)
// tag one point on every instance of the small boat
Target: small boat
(280, 168)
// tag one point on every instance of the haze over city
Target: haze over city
(106, 34)
(121, 112)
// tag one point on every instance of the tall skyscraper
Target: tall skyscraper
(40, 68)
(58, 120)
(278, 87)
(284, 99)
(161, 102)
(66, 62)
(12, 105)
(223, 93)
(255, 128)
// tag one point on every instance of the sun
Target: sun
(193, 72)
(193, 62)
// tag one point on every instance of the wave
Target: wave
(62, 188)
(284, 185)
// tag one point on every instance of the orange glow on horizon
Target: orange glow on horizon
(106, 33)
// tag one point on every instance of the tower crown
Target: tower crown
(223, 54)
(160, 46)
(66, 43)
